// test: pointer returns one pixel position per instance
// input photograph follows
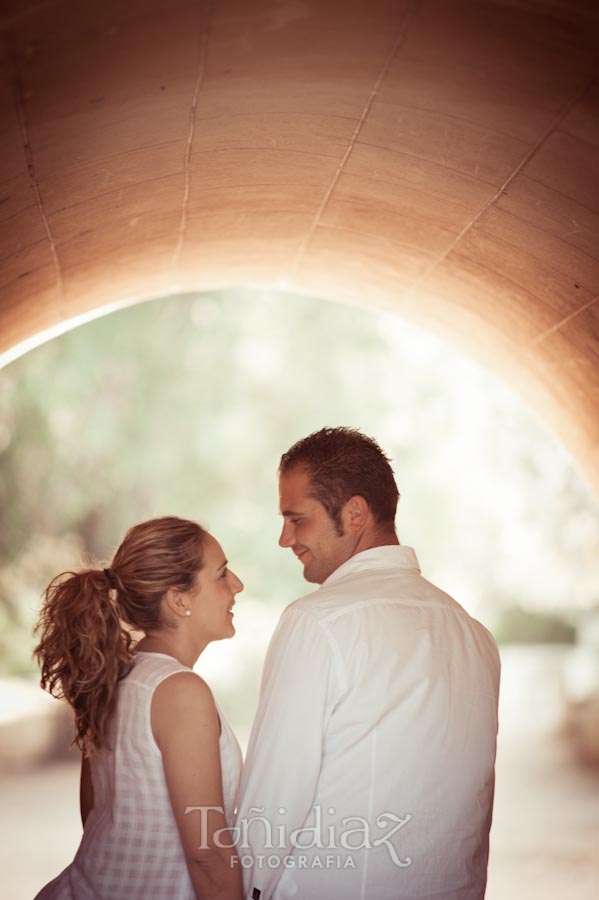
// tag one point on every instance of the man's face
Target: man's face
(308, 529)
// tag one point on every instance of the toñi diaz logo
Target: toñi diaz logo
(350, 834)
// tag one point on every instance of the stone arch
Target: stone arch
(436, 159)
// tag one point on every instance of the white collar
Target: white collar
(391, 556)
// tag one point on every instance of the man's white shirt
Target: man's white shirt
(370, 768)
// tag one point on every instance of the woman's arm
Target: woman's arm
(186, 728)
(86, 790)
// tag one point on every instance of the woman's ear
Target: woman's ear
(176, 602)
(355, 513)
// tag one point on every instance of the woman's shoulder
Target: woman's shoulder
(183, 702)
(184, 685)
(149, 672)
(181, 689)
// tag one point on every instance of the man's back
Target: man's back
(376, 733)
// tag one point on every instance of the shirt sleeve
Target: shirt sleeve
(300, 686)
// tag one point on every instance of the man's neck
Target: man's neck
(377, 538)
(385, 539)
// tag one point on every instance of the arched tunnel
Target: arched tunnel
(430, 158)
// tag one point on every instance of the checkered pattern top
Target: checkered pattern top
(130, 848)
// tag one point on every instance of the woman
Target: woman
(153, 742)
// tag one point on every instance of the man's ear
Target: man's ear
(355, 513)
(175, 602)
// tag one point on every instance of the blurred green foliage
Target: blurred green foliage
(515, 625)
(183, 406)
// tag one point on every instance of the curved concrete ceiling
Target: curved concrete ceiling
(434, 158)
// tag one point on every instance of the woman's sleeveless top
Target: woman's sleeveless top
(131, 848)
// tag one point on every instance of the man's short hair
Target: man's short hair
(341, 463)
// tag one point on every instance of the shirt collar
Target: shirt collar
(392, 556)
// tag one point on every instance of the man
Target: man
(370, 768)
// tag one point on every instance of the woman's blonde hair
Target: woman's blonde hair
(86, 618)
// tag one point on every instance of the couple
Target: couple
(370, 768)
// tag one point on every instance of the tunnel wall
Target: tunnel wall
(433, 159)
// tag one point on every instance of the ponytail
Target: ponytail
(84, 650)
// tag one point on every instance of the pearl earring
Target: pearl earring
(187, 612)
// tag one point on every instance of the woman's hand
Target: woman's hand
(186, 728)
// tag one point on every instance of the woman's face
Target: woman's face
(213, 597)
